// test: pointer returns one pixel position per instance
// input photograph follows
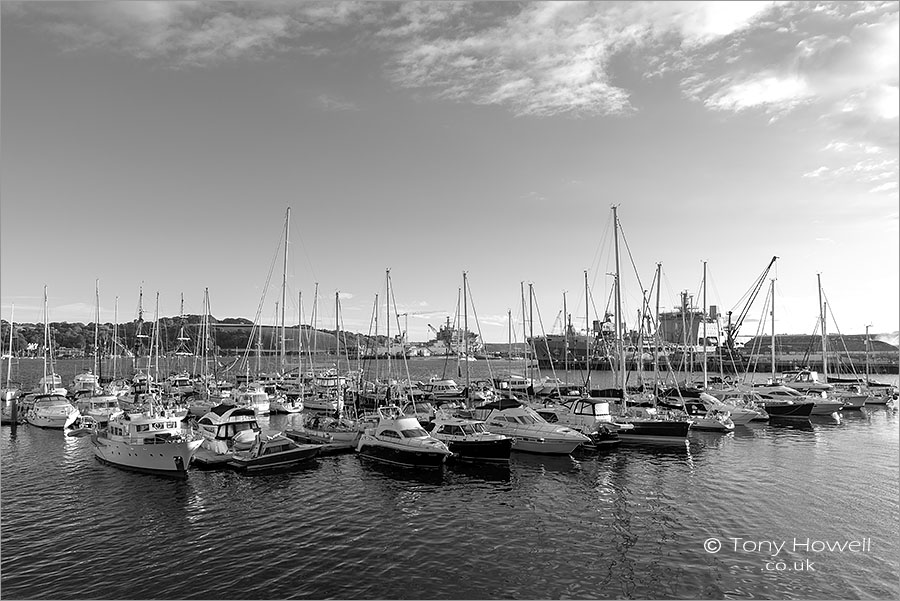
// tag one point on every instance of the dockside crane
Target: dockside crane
(732, 329)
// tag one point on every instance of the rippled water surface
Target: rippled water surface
(631, 522)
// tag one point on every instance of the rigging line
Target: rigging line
(546, 344)
(262, 300)
(409, 395)
(478, 325)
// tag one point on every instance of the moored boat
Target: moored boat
(151, 442)
(400, 440)
(531, 432)
(469, 439)
(272, 450)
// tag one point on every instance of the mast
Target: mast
(587, 333)
(337, 335)
(508, 339)
(531, 328)
(824, 334)
(656, 340)
(47, 350)
(387, 326)
(618, 307)
(466, 335)
(12, 312)
(565, 340)
(97, 329)
(525, 333)
(773, 331)
(703, 317)
(115, 344)
(287, 224)
(867, 352)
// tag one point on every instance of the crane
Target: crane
(731, 330)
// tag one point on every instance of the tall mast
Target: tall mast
(656, 338)
(97, 327)
(587, 332)
(287, 224)
(508, 339)
(525, 333)
(867, 352)
(12, 312)
(824, 333)
(337, 334)
(565, 340)
(773, 331)
(703, 317)
(315, 321)
(618, 307)
(47, 350)
(466, 336)
(387, 326)
(115, 348)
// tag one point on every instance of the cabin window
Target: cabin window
(142, 427)
(527, 419)
(414, 433)
(170, 425)
(390, 434)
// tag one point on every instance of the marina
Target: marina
(626, 521)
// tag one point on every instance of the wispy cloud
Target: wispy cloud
(332, 103)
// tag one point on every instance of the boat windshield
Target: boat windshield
(475, 428)
(414, 433)
(526, 419)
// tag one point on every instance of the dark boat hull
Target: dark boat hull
(789, 411)
(390, 455)
(652, 430)
(491, 451)
(277, 461)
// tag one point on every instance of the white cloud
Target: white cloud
(886, 187)
(332, 103)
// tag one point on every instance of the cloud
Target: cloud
(331, 103)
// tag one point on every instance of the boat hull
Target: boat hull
(652, 430)
(279, 461)
(527, 444)
(165, 459)
(789, 410)
(395, 456)
(490, 451)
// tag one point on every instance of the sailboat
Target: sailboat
(48, 408)
(9, 392)
(780, 408)
(88, 395)
(648, 424)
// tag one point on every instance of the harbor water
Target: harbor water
(803, 510)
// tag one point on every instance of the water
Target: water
(629, 523)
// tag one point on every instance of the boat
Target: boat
(588, 415)
(99, 407)
(327, 393)
(822, 405)
(49, 411)
(469, 439)
(226, 428)
(531, 432)
(340, 433)
(743, 406)
(714, 420)
(152, 441)
(272, 450)
(786, 409)
(284, 404)
(400, 440)
(254, 396)
(80, 425)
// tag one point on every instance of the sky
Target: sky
(157, 146)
